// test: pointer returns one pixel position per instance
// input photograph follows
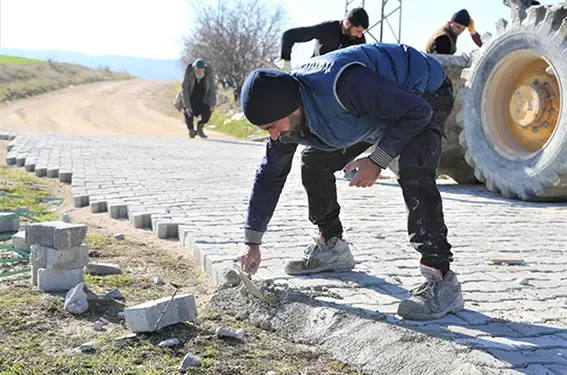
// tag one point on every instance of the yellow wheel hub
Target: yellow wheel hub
(533, 106)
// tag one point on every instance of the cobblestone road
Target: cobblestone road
(197, 191)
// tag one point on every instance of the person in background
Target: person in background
(329, 35)
(444, 40)
(199, 96)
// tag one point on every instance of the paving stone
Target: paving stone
(58, 280)
(80, 200)
(65, 177)
(103, 269)
(19, 241)
(143, 317)
(524, 358)
(20, 161)
(56, 234)
(52, 172)
(209, 207)
(141, 219)
(97, 206)
(38, 256)
(9, 222)
(118, 211)
(40, 171)
(557, 369)
(67, 259)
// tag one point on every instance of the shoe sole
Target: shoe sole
(455, 307)
(321, 269)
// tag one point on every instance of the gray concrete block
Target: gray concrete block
(19, 241)
(38, 256)
(69, 235)
(67, 259)
(30, 167)
(166, 229)
(34, 270)
(118, 211)
(20, 161)
(40, 171)
(103, 269)
(65, 177)
(9, 222)
(56, 234)
(143, 317)
(141, 219)
(98, 206)
(59, 280)
(52, 172)
(80, 200)
(11, 160)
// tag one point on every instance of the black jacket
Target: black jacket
(328, 35)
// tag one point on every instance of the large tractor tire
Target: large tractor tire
(513, 115)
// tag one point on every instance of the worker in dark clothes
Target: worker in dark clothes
(199, 96)
(329, 36)
(444, 40)
(338, 105)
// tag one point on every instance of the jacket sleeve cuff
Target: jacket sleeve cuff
(381, 157)
(253, 236)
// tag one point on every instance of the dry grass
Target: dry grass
(25, 78)
(37, 336)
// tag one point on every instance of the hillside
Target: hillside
(22, 77)
(137, 66)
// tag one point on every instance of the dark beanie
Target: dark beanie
(358, 17)
(269, 95)
(462, 17)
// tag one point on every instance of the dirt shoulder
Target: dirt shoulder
(37, 336)
(117, 107)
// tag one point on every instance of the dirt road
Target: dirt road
(115, 107)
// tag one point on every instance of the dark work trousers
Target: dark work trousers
(202, 110)
(418, 165)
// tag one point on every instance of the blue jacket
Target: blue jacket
(334, 124)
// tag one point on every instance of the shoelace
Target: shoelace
(425, 289)
(311, 250)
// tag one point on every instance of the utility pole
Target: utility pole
(390, 10)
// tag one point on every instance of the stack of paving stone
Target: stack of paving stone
(57, 257)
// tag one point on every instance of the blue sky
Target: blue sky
(148, 28)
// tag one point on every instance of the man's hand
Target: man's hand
(471, 27)
(367, 173)
(250, 258)
(187, 111)
(212, 108)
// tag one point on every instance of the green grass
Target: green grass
(20, 183)
(241, 129)
(97, 241)
(4, 59)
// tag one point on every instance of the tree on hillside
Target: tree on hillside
(235, 37)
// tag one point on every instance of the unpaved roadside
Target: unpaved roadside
(116, 107)
(37, 336)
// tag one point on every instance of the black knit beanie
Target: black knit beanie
(462, 17)
(269, 95)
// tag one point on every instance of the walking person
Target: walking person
(198, 95)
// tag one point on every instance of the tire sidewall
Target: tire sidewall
(482, 148)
